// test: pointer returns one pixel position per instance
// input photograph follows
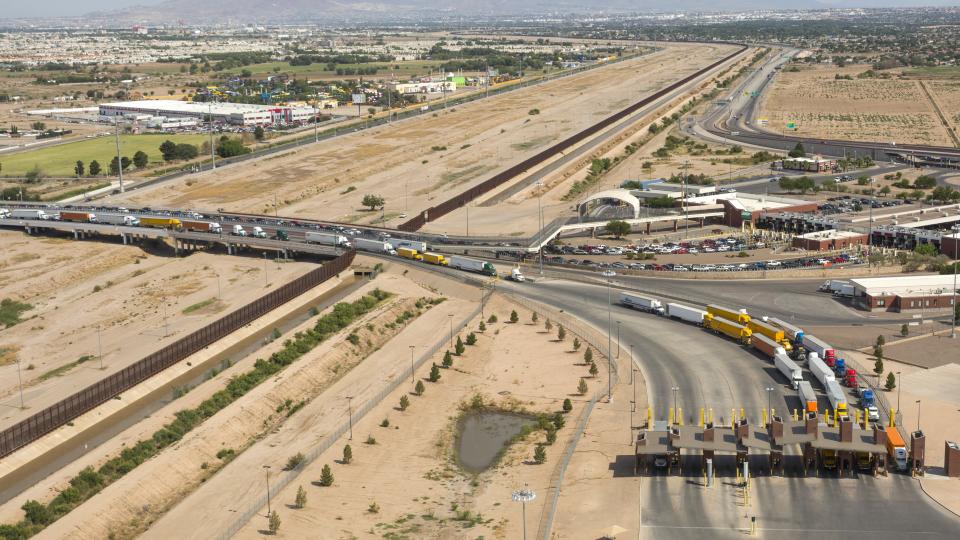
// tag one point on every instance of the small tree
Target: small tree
(347, 454)
(301, 499)
(434, 373)
(798, 151)
(618, 228)
(294, 461)
(274, 522)
(140, 159)
(540, 455)
(404, 402)
(582, 387)
(95, 168)
(471, 339)
(551, 436)
(593, 370)
(514, 317)
(547, 325)
(905, 330)
(881, 341)
(373, 201)
(891, 381)
(588, 355)
(447, 359)
(492, 319)
(568, 405)
(78, 168)
(326, 476)
(534, 317)
(459, 347)
(258, 133)
(483, 326)
(561, 333)
(878, 368)
(419, 388)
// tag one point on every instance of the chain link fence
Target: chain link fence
(592, 338)
(279, 482)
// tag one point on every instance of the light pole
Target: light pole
(609, 345)
(412, 347)
(524, 496)
(631, 368)
(265, 281)
(540, 221)
(99, 347)
(267, 469)
(675, 390)
(918, 415)
(20, 383)
(618, 340)
(350, 414)
(119, 165)
(953, 304)
(898, 391)
(450, 317)
(213, 155)
(768, 402)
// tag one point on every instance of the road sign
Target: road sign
(746, 216)
(791, 125)
(359, 98)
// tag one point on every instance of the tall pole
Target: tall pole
(267, 468)
(898, 391)
(675, 389)
(265, 280)
(119, 165)
(20, 383)
(631, 366)
(450, 316)
(609, 345)
(350, 414)
(99, 347)
(618, 340)
(540, 221)
(316, 121)
(918, 415)
(412, 347)
(953, 304)
(213, 155)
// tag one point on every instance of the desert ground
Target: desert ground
(420, 162)
(126, 301)
(876, 109)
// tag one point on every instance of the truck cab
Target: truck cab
(281, 235)
(517, 275)
(829, 459)
(258, 232)
(238, 230)
(864, 461)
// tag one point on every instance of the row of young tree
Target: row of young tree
(139, 160)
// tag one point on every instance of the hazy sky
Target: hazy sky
(53, 8)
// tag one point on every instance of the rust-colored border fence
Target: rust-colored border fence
(58, 414)
(434, 212)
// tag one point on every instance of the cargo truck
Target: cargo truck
(791, 332)
(686, 313)
(118, 219)
(896, 449)
(849, 378)
(867, 398)
(826, 352)
(845, 291)
(409, 244)
(765, 345)
(434, 258)
(785, 365)
(408, 253)
(808, 398)
(641, 303)
(864, 461)
(376, 246)
(471, 265)
(238, 230)
(160, 222)
(829, 459)
(281, 235)
(201, 226)
(739, 317)
(775, 334)
(729, 328)
(837, 397)
(84, 217)
(28, 213)
(819, 369)
(327, 239)
(833, 285)
(4, 213)
(258, 232)
(517, 275)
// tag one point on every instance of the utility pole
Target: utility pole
(20, 383)
(953, 303)
(119, 165)
(412, 347)
(267, 469)
(265, 280)
(99, 347)
(609, 345)
(316, 120)
(213, 154)
(350, 414)
(540, 221)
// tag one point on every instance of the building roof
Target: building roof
(192, 107)
(830, 234)
(925, 285)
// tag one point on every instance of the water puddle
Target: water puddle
(484, 435)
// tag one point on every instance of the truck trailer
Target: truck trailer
(775, 334)
(376, 246)
(808, 398)
(201, 226)
(820, 370)
(765, 345)
(82, 217)
(739, 317)
(826, 352)
(160, 222)
(729, 328)
(788, 367)
(119, 219)
(686, 313)
(327, 239)
(471, 265)
(28, 213)
(398, 243)
(434, 258)
(896, 448)
(837, 397)
(791, 332)
(408, 253)
(641, 303)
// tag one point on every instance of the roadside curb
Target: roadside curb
(934, 499)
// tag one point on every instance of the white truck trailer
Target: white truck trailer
(376, 246)
(398, 243)
(789, 368)
(471, 265)
(642, 303)
(819, 369)
(837, 397)
(686, 313)
(118, 219)
(327, 239)
(28, 213)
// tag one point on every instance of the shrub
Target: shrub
(576, 344)
(514, 317)
(419, 388)
(459, 348)
(447, 359)
(561, 333)
(593, 370)
(567, 404)
(370, 440)
(326, 476)
(301, 499)
(471, 339)
(347, 454)
(434, 373)
(385, 422)
(588, 355)
(404, 402)
(482, 327)
(492, 319)
(294, 461)
(582, 387)
(540, 455)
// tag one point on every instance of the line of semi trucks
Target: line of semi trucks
(785, 344)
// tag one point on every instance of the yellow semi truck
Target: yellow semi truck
(411, 254)
(730, 329)
(160, 222)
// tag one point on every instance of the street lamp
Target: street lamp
(618, 340)
(267, 469)
(609, 344)
(918, 415)
(631, 365)
(675, 390)
(524, 496)
(450, 317)
(540, 221)
(99, 347)
(350, 414)
(898, 391)
(412, 347)
(20, 383)
(768, 401)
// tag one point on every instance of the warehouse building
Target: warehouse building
(830, 239)
(904, 293)
(428, 87)
(238, 114)
(814, 164)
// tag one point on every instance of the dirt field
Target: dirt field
(140, 300)
(863, 109)
(414, 480)
(422, 161)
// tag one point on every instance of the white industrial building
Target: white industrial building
(239, 114)
(431, 87)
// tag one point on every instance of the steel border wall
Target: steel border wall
(498, 179)
(58, 414)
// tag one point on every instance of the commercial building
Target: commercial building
(904, 293)
(814, 164)
(830, 239)
(428, 87)
(239, 114)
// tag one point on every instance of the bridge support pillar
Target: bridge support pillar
(648, 227)
(76, 235)
(123, 238)
(675, 222)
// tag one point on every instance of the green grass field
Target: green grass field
(59, 160)
(934, 72)
(407, 69)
